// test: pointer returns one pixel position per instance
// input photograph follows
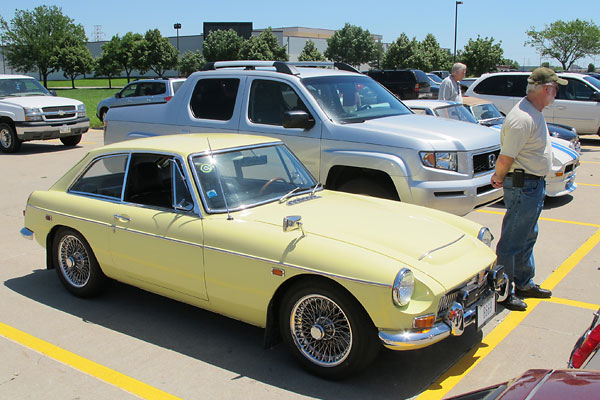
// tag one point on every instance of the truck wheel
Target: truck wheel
(102, 114)
(326, 330)
(71, 140)
(9, 142)
(368, 188)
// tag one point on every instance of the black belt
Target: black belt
(528, 176)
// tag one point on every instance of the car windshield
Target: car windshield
(595, 82)
(457, 112)
(435, 78)
(17, 87)
(486, 112)
(353, 99)
(237, 179)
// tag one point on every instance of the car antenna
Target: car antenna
(212, 159)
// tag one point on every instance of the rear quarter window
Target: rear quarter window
(214, 98)
(503, 85)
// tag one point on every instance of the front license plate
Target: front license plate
(486, 311)
(65, 129)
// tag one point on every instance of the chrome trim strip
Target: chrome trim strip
(441, 247)
(384, 285)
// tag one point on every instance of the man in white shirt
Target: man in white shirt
(450, 87)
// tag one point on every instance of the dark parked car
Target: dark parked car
(542, 384)
(441, 74)
(586, 353)
(435, 81)
(404, 83)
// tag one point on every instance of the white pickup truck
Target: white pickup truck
(30, 112)
(350, 131)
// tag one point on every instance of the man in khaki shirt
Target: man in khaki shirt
(525, 159)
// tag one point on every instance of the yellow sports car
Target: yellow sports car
(237, 225)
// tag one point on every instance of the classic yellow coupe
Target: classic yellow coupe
(237, 225)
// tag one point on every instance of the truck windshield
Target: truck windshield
(352, 99)
(17, 87)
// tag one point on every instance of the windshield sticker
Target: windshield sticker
(206, 168)
(211, 194)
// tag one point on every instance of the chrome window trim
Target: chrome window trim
(88, 166)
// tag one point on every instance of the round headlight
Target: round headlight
(404, 286)
(485, 235)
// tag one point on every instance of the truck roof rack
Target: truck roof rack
(285, 67)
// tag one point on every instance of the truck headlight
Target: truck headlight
(404, 286)
(440, 159)
(81, 111)
(33, 114)
(485, 235)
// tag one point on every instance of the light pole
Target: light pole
(177, 27)
(455, 19)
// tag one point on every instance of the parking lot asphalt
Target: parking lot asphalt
(132, 344)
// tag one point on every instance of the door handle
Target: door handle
(561, 107)
(121, 218)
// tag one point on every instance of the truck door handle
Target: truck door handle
(560, 107)
(121, 218)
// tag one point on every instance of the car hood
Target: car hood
(40, 101)
(421, 132)
(420, 238)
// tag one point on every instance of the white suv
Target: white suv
(577, 104)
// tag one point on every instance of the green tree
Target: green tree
(191, 62)
(310, 52)
(73, 57)
(512, 64)
(155, 53)
(263, 47)
(32, 39)
(378, 53)
(120, 50)
(434, 57)
(401, 53)
(566, 42)
(351, 45)
(222, 45)
(108, 66)
(482, 55)
(591, 68)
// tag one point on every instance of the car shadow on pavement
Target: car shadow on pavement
(28, 148)
(549, 203)
(238, 347)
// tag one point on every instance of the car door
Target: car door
(265, 103)
(155, 244)
(127, 95)
(574, 106)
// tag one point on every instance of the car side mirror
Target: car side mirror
(292, 223)
(595, 96)
(298, 119)
(52, 92)
(118, 95)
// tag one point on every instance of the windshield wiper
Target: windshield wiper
(289, 194)
(317, 186)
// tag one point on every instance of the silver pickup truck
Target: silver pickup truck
(30, 112)
(350, 131)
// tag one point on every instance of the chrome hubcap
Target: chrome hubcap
(5, 138)
(321, 330)
(74, 261)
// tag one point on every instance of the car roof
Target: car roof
(279, 69)
(429, 103)
(9, 76)
(186, 144)
(562, 74)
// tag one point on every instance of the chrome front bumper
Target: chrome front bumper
(454, 323)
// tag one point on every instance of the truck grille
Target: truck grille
(485, 161)
(59, 112)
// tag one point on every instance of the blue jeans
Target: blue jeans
(520, 230)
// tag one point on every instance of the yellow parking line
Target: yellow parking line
(460, 369)
(586, 184)
(106, 374)
(564, 221)
(573, 303)
(590, 162)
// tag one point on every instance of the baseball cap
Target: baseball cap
(543, 75)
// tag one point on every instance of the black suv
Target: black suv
(404, 83)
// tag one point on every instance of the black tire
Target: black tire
(102, 114)
(327, 330)
(76, 265)
(368, 188)
(9, 142)
(71, 141)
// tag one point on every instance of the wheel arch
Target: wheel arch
(7, 120)
(341, 174)
(272, 334)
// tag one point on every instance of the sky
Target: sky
(505, 21)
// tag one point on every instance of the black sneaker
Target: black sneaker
(534, 291)
(514, 303)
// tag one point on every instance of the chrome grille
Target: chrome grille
(59, 112)
(446, 301)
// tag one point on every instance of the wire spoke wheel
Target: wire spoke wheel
(321, 330)
(74, 261)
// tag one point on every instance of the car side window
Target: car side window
(104, 177)
(270, 99)
(503, 85)
(129, 91)
(575, 90)
(158, 88)
(214, 98)
(145, 89)
(149, 181)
